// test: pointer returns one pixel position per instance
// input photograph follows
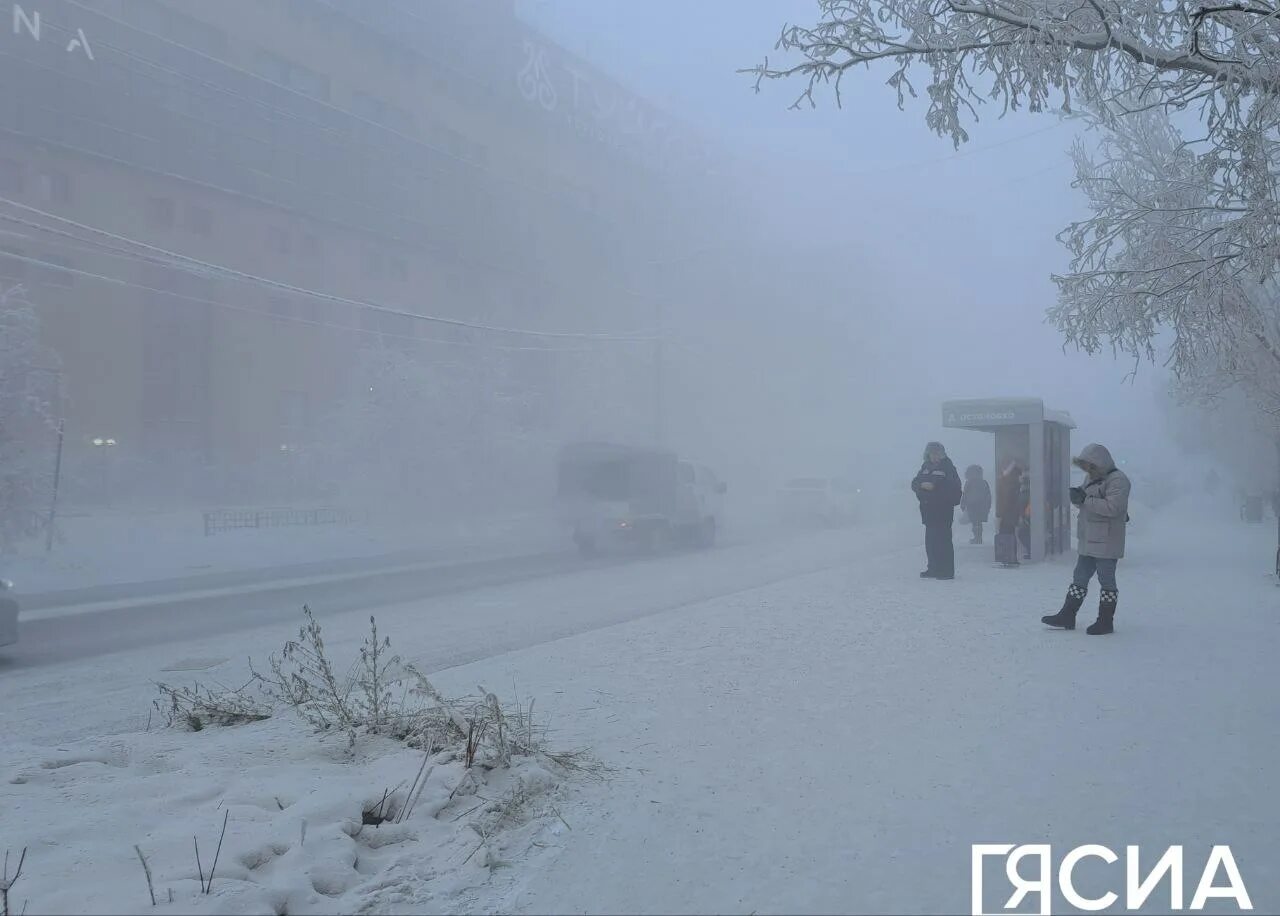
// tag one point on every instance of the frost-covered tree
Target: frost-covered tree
(1184, 232)
(29, 392)
(1175, 243)
(1039, 54)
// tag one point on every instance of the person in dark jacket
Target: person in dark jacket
(975, 502)
(937, 487)
(1103, 502)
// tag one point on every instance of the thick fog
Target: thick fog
(819, 284)
(481, 456)
(900, 271)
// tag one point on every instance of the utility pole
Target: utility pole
(1275, 506)
(57, 479)
(659, 381)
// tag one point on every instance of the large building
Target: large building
(214, 205)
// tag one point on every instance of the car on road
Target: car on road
(819, 501)
(8, 614)
(614, 497)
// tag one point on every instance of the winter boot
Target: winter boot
(1106, 614)
(1066, 618)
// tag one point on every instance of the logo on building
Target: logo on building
(596, 109)
(534, 79)
(28, 22)
(1138, 888)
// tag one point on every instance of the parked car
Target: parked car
(621, 497)
(8, 614)
(819, 500)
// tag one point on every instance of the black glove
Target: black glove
(1077, 496)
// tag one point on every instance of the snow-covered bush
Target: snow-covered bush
(459, 786)
(197, 706)
(378, 697)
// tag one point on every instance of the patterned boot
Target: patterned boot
(1106, 614)
(1066, 618)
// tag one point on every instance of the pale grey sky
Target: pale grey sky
(957, 250)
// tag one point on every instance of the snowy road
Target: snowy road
(113, 624)
(66, 634)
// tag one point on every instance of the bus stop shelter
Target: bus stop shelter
(1040, 440)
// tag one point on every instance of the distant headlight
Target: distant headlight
(5, 585)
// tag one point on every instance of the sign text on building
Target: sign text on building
(28, 21)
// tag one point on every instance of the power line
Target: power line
(963, 154)
(206, 266)
(201, 300)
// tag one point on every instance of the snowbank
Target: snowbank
(303, 791)
(296, 839)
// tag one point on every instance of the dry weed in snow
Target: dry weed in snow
(359, 792)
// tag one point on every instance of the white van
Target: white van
(616, 496)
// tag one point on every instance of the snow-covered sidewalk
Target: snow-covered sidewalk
(829, 743)
(836, 744)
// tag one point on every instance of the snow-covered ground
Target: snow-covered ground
(108, 548)
(833, 742)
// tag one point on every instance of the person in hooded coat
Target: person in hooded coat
(937, 487)
(975, 502)
(1103, 503)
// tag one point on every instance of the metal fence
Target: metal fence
(237, 519)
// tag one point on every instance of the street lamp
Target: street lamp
(104, 444)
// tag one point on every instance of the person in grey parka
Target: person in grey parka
(1103, 503)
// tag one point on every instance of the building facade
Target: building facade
(214, 206)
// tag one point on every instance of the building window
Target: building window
(295, 411)
(396, 325)
(12, 176)
(295, 76)
(279, 241)
(163, 19)
(58, 272)
(161, 212)
(13, 265)
(198, 219)
(54, 186)
(374, 109)
(314, 312)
